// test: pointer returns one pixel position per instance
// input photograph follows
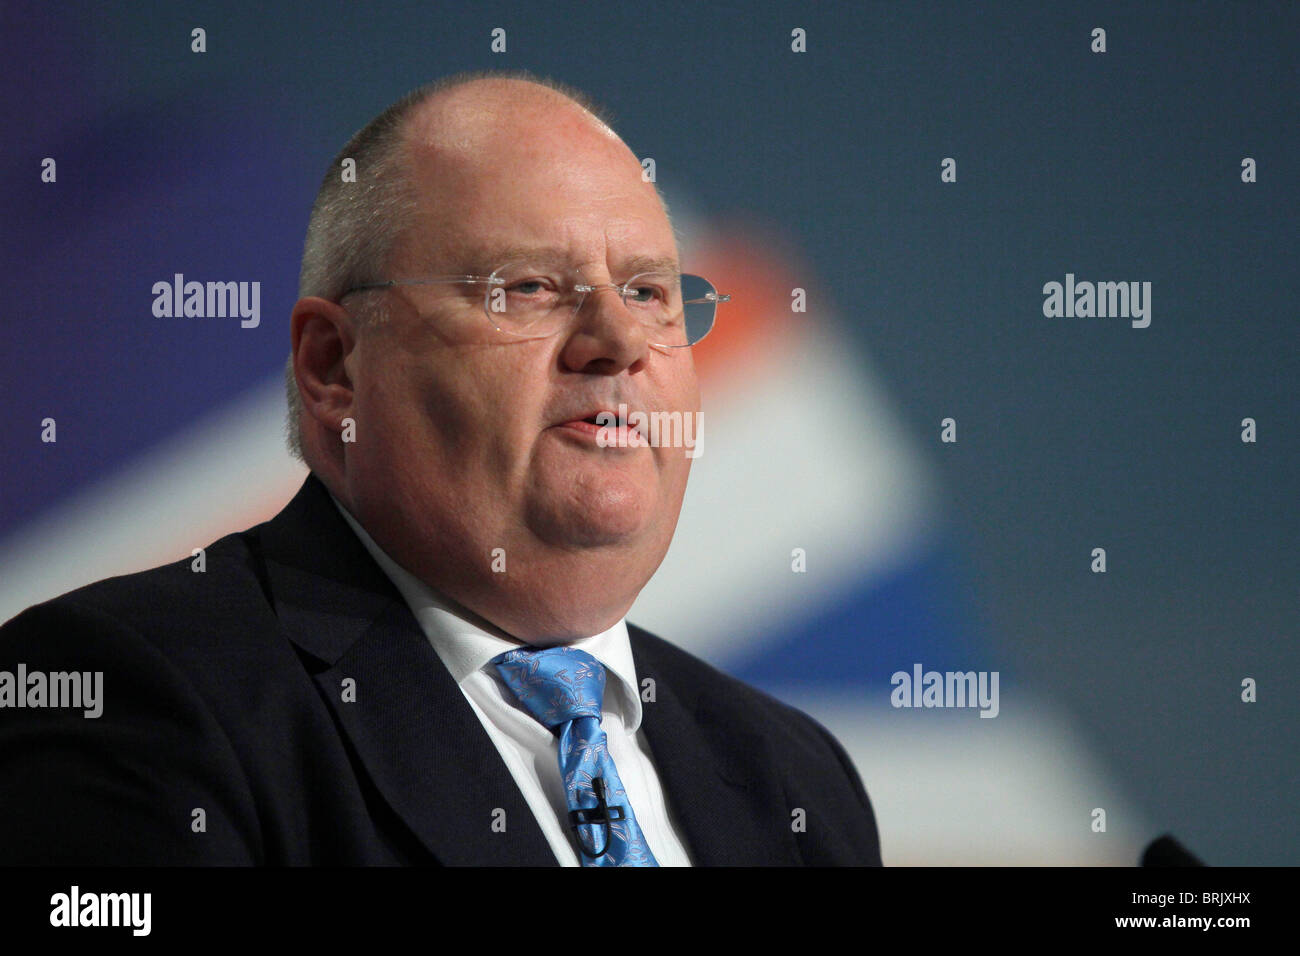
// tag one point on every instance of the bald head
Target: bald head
(474, 137)
(479, 111)
(366, 196)
(477, 156)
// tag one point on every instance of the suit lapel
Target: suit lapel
(732, 813)
(409, 725)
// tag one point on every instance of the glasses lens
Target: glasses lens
(699, 306)
(534, 300)
(677, 309)
(656, 299)
(529, 299)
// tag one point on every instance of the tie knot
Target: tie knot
(556, 684)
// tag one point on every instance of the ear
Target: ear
(323, 337)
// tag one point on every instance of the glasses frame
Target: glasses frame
(582, 288)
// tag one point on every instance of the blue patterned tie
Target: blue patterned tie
(563, 688)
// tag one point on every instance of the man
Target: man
(424, 658)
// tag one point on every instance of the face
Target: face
(466, 441)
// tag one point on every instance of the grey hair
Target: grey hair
(353, 225)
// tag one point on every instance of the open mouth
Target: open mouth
(606, 425)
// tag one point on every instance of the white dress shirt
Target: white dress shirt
(530, 751)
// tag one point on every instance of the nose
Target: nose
(605, 338)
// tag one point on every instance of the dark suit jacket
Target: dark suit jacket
(223, 692)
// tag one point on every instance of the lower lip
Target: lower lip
(615, 436)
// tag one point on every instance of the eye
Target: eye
(529, 286)
(644, 292)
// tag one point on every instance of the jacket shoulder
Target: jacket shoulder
(226, 564)
(184, 609)
(117, 778)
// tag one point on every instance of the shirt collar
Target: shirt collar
(466, 643)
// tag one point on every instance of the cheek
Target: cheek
(417, 407)
(466, 419)
(674, 470)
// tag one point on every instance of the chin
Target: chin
(581, 531)
(584, 516)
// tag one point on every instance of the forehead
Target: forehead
(482, 255)
(540, 174)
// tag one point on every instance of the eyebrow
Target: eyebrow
(639, 264)
(489, 258)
